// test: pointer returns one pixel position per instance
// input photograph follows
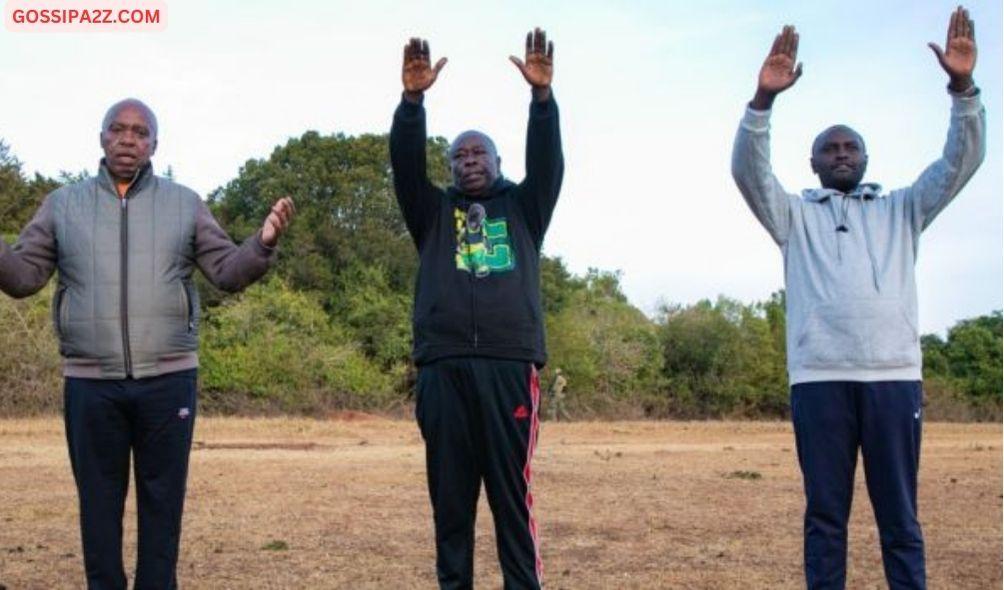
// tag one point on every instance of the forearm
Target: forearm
(26, 267)
(544, 158)
(964, 150)
(407, 147)
(414, 191)
(545, 164)
(751, 170)
(226, 265)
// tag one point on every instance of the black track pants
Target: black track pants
(478, 417)
(153, 419)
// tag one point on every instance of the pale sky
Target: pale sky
(650, 96)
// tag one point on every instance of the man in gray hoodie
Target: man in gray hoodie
(125, 243)
(854, 358)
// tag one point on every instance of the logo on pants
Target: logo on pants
(521, 413)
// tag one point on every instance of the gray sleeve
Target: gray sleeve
(26, 267)
(228, 267)
(756, 181)
(964, 150)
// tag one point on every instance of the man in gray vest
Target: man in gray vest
(126, 243)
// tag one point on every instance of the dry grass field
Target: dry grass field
(297, 503)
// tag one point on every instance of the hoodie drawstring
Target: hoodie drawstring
(868, 246)
(840, 226)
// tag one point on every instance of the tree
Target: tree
(347, 213)
(19, 197)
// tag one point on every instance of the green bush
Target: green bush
(279, 347)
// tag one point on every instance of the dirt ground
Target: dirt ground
(296, 503)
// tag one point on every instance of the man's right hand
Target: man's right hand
(779, 71)
(417, 73)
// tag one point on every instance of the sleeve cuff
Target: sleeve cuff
(260, 247)
(966, 103)
(755, 120)
(543, 108)
(405, 101)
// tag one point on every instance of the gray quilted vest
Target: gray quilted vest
(125, 298)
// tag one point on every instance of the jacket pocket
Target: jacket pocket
(858, 333)
(188, 306)
(59, 310)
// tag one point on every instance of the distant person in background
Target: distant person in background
(558, 397)
(479, 330)
(854, 359)
(126, 313)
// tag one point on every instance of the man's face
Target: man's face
(474, 164)
(839, 159)
(128, 142)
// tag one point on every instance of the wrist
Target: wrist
(961, 84)
(270, 243)
(541, 93)
(763, 100)
(413, 97)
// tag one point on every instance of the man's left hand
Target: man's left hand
(959, 57)
(538, 67)
(277, 221)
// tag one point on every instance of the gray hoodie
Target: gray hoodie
(852, 295)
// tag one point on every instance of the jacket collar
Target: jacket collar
(865, 191)
(143, 177)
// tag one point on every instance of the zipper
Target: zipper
(124, 281)
(474, 307)
(124, 273)
(472, 280)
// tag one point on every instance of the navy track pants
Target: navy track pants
(832, 420)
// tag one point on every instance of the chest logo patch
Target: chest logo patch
(483, 245)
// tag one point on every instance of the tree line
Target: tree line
(331, 327)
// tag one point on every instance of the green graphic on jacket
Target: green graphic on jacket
(482, 244)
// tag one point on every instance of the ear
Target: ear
(153, 148)
(498, 162)
(812, 164)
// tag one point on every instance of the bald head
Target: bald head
(474, 163)
(821, 138)
(475, 135)
(839, 158)
(134, 103)
(128, 138)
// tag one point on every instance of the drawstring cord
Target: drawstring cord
(840, 225)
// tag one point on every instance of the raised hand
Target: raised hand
(538, 67)
(277, 221)
(959, 57)
(417, 73)
(779, 71)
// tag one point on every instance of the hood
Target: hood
(865, 190)
(500, 185)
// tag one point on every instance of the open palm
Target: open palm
(538, 66)
(417, 72)
(959, 57)
(779, 71)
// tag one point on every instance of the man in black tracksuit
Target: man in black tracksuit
(478, 321)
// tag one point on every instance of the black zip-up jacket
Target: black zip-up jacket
(478, 292)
